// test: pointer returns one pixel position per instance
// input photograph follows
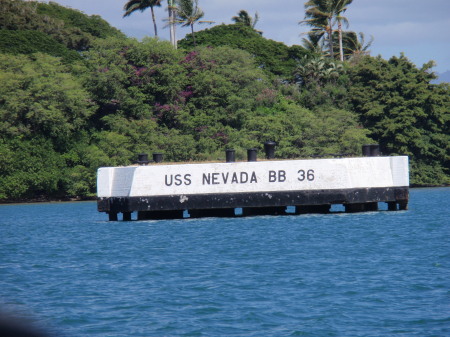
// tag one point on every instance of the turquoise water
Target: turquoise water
(367, 274)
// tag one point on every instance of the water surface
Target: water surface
(367, 274)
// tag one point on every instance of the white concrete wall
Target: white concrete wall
(263, 176)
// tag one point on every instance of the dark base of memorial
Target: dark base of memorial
(252, 204)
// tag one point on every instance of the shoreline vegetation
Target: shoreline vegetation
(77, 94)
(45, 199)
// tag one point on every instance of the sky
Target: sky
(418, 28)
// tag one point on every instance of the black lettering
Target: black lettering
(272, 176)
(302, 175)
(215, 178)
(244, 175)
(178, 181)
(187, 179)
(171, 180)
(253, 178)
(234, 179)
(275, 176)
(225, 177)
(207, 179)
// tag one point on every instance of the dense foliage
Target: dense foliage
(32, 41)
(69, 27)
(274, 57)
(62, 117)
(405, 113)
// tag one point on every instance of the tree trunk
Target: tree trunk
(172, 24)
(154, 22)
(174, 29)
(341, 49)
(193, 35)
(330, 38)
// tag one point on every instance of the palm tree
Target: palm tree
(134, 5)
(318, 15)
(314, 43)
(244, 18)
(356, 47)
(317, 71)
(188, 13)
(172, 10)
(322, 16)
(340, 6)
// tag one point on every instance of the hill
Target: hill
(32, 41)
(61, 119)
(272, 56)
(28, 26)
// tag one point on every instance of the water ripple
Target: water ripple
(367, 274)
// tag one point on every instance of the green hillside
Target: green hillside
(71, 28)
(77, 94)
(31, 41)
(272, 56)
(93, 24)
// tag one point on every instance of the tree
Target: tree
(40, 97)
(322, 15)
(188, 13)
(244, 18)
(318, 15)
(172, 10)
(322, 82)
(130, 77)
(405, 113)
(275, 58)
(67, 26)
(134, 5)
(36, 172)
(339, 8)
(317, 71)
(313, 43)
(356, 47)
(33, 41)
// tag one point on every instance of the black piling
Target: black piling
(157, 157)
(126, 216)
(371, 150)
(374, 150)
(230, 155)
(312, 209)
(160, 215)
(269, 148)
(361, 207)
(143, 159)
(254, 211)
(212, 213)
(112, 216)
(403, 205)
(392, 206)
(251, 154)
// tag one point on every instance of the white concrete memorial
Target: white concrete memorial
(271, 183)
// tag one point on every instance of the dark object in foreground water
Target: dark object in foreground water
(14, 327)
